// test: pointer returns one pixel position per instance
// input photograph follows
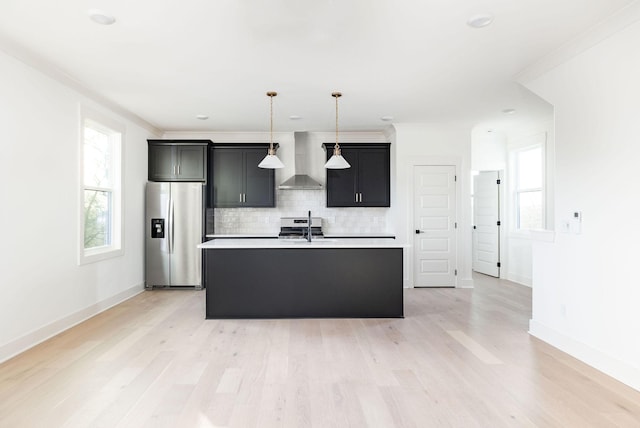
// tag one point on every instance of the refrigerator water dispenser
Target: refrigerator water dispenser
(157, 228)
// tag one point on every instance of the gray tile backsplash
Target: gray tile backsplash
(296, 203)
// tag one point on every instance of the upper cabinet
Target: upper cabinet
(366, 183)
(178, 160)
(236, 179)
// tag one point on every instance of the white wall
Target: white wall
(585, 287)
(43, 290)
(432, 144)
(488, 150)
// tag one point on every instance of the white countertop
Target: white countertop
(244, 236)
(275, 236)
(360, 235)
(302, 244)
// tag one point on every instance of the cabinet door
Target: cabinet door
(190, 163)
(373, 178)
(259, 182)
(341, 183)
(161, 163)
(227, 186)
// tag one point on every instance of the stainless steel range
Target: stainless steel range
(297, 227)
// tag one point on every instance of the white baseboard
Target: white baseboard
(465, 283)
(523, 280)
(619, 370)
(29, 340)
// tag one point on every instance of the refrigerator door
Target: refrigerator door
(185, 232)
(158, 196)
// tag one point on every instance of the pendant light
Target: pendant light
(337, 161)
(271, 161)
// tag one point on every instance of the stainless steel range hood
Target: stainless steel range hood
(301, 180)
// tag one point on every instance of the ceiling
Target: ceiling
(414, 60)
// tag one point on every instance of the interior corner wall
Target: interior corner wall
(432, 144)
(44, 290)
(585, 286)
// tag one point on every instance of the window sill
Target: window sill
(93, 256)
(520, 234)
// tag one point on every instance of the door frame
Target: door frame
(462, 187)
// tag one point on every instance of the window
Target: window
(529, 192)
(101, 196)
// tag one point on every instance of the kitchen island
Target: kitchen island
(325, 278)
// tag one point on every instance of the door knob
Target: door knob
(418, 231)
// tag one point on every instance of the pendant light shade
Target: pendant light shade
(337, 161)
(271, 161)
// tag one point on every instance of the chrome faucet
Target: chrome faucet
(309, 228)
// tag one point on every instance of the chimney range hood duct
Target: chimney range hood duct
(301, 179)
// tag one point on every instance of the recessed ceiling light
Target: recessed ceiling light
(509, 111)
(295, 117)
(387, 118)
(202, 117)
(479, 21)
(99, 17)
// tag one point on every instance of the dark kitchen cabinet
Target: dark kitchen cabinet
(236, 180)
(178, 160)
(366, 183)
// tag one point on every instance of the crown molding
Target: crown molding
(47, 68)
(615, 23)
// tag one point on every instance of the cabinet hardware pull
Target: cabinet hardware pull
(240, 198)
(361, 197)
(356, 195)
(178, 169)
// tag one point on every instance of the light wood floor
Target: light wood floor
(460, 358)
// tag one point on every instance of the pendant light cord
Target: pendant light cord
(271, 94)
(337, 145)
(336, 148)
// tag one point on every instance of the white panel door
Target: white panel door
(435, 226)
(486, 215)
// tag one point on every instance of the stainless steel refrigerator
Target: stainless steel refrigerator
(174, 228)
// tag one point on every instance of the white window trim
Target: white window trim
(532, 142)
(116, 249)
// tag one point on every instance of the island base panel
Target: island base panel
(305, 283)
